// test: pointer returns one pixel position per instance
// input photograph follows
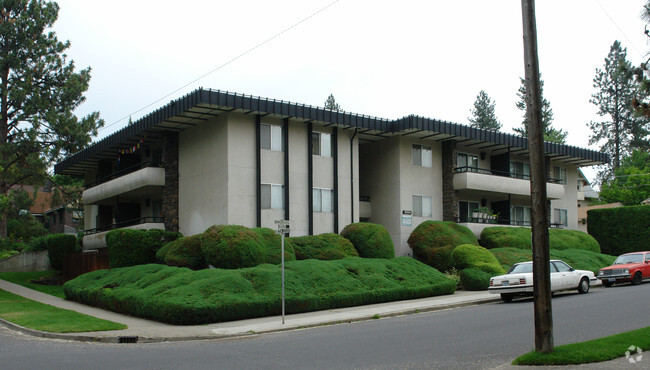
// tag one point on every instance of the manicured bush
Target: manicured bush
(433, 241)
(129, 247)
(370, 240)
(473, 256)
(475, 279)
(577, 258)
(58, 246)
(272, 245)
(322, 247)
(620, 230)
(185, 297)
(184, 252)
(520, 237)
(231, 247)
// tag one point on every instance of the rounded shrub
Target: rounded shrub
(520, 237)
(184, 252)
(58, 246)
(322, 247)
(474, 279)
(231, 247)
(272, 246)
(370, 240)
(129, 247)
(433, 241)
(476, 257)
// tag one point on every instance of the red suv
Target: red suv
(634, 267)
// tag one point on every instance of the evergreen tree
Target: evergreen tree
(550, 134)
(39, 90)
(483, 115)
(331, 103)
(621, 130)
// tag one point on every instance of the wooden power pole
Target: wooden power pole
(541, 254)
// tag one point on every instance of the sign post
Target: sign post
(283, 228)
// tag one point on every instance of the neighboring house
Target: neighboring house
(57, 219)
(646, 202)
(215, 157)
(582, 213)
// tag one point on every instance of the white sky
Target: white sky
(381, 58)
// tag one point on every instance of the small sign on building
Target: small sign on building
(407, 218)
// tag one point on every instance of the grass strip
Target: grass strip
(40, 316)
(597, 350)
(24, 278)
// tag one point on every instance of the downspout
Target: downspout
(352, 175)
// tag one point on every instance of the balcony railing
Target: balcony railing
(119, 225)
(514, 175)
(498, 222)
(124, 171)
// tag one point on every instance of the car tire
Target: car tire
(637, 278)
(583, 286)
(507, 297)
(607, 284)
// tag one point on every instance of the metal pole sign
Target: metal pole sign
(283, 228)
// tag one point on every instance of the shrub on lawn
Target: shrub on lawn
(473, 256)
(25, 228)
(129, 247)
(433, 241)
(322, 247)
(620, 230)
(184, 252)
(38, 243)
(231, 247)
(475, 279)
(272, 245)
(58, 246)
(520, 237)
(577, 258)
(370, 240)
(185, 297)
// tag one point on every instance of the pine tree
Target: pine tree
(39, 90)
(331, 103)
(621, 130)
(483, 115)
(550, 134)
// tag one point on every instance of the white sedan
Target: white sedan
(519, 280)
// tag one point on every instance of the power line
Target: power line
(619, 28)
(227, 62)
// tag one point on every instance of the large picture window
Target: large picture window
(271, 137)
(520, 170)
(421, 155)
(520, 215)
(421, 206)
(467, 162)
(560, 216)
(321, 144)
(323, 200)
(559, 174)
(465, 210)
(272, 196)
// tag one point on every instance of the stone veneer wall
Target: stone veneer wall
(170, 190)
(449, 195)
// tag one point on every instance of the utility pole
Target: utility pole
(541, 253)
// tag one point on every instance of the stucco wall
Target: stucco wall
(570, 199)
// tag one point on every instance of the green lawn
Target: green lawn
(597, 350)
(24, 278)
(40, 316)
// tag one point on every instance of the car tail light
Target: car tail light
(491, 282)
(522, 281)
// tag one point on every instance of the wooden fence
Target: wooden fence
(76, 264)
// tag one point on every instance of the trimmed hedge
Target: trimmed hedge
(433, 241)
(58, 246)
(620, 230)
(272, 246)
(185, 297)
(231, 247)
(324, 247)
(370, 240)
(183, 252)
(476, 257)
(520, 237)
(129, 247)
(577, 258)
(475, 279)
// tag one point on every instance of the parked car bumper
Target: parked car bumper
(615, 278)
(517, 289)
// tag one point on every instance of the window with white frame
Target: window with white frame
(323, 200)
(520, 215)
(560, 216)
(271, 137)
(559, 174)
(520, 170)
(421, 155)
(467, 162)
(272, 196)
(321, 144)
(421, 206)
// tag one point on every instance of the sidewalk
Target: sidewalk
(146, 331)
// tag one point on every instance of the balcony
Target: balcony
(96, 238)
(480, 179)
(130, 184)
(476, 225)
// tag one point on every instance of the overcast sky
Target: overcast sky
(380, 58)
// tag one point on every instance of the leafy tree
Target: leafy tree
(621, 130)
(39, 90)
(550, 134)
(331, 103)
(631, 183)
(483, 115)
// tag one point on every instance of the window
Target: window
(559, 174)
(465, 210)
(271, 137)
(520, 215)
(272, 196)
(421, 155)
(323, 200)
(321, 144)
(560, 216)
(561, 266)
(421, 206)
(467, 162)
(520, 170)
